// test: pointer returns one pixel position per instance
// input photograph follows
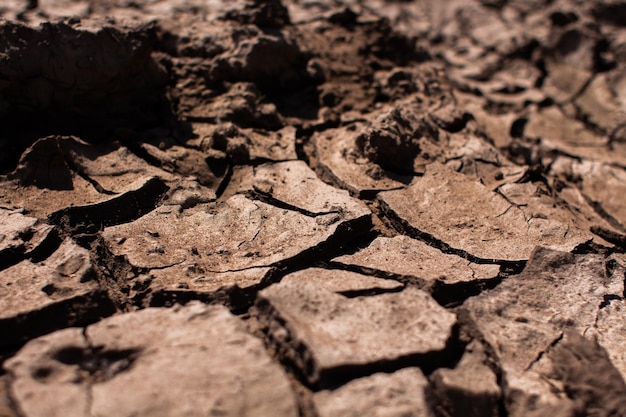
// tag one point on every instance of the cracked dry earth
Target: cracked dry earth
(315, 209)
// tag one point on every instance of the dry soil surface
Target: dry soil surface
(312, 208)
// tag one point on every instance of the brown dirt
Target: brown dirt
(283, 207)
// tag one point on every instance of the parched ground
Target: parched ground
(312, 208)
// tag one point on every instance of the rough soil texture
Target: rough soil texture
(312, 209)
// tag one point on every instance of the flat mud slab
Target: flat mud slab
(312, 209)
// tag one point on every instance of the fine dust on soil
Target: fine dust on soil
(312, 208)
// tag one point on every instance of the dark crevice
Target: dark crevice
(607, 298)
(126, 207)
(95, 363)
(132, 144)
(303, 394)
(267, 198)
(237, 300)
(427, 362)
(228, 174)
(348, 236)
(541, 354)
(447, 295)
(76, 311)
(517, 127)
(597, 207)
(379, 273)
(74, 167)
(46, 248)
(10, 257)
(302, 142)
(403, 227)
(453, 295)
(470, 330)
(114, 273)
(369, 292)
(618, 239)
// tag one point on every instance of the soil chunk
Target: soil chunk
(325, 334)
(39, 297)
(193, 360)
(531, 323)
(464, 215)
(400, 393)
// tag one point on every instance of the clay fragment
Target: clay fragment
(521, 324)
(399, 393)
(470, 389)
(196, 360)
(294, 184)
(463, 215)
(234, 242)
(60, 291)
(245, 145)
(20, 235)
(341, 164)
(342, 282)
(327, 335)
(402, 255)
(65, 171)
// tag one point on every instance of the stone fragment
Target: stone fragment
(447, 207)
(233, 242)
(61, 291)
(196, 360)
(402, 255)
(326, 335)
(342, 282)
(20, 235)
(187, 162)
(188, 193)
(241, 104)
(521, 323)
(397, 394)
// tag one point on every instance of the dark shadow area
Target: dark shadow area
(63, 79)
